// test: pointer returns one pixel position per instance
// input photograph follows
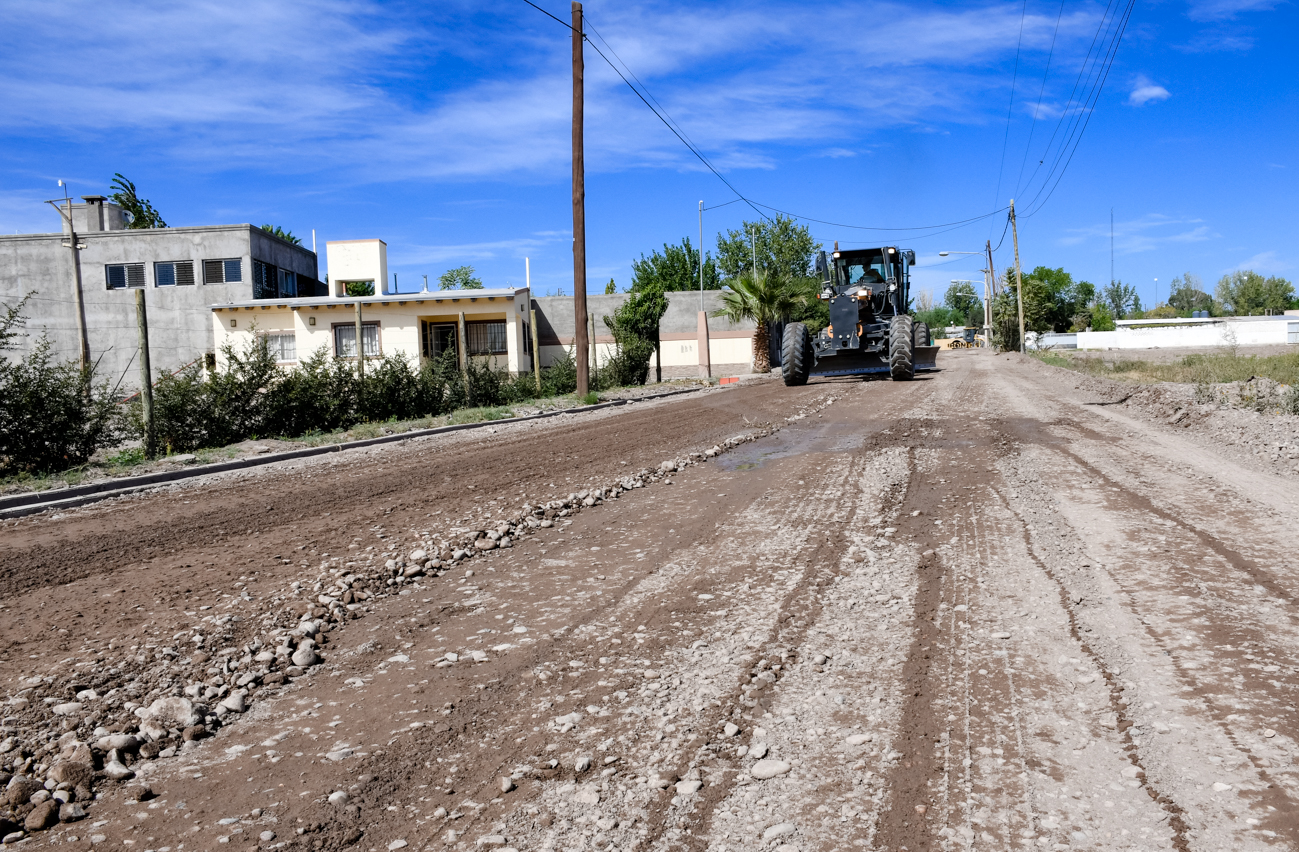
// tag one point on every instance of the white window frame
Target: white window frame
(346, 331)
(276, 341)
(132, 276)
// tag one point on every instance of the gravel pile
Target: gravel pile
(69, 732)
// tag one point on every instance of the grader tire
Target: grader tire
(795, 355)
(902, 361)
(921, 334)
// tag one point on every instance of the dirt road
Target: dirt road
(974, 611)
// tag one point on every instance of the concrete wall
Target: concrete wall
(180, 324)
(1248, 331)
(730, 345)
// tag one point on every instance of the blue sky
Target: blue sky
(444, 128)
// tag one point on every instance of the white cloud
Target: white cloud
(1148, 233)
(1144, 91)
(340, 97)
(1264, 263)
(1218, 10)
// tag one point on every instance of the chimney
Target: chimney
(94, 216)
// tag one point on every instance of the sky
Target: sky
(444, 128)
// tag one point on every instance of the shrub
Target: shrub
(53, 415)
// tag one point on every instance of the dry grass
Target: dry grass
(1197, 369)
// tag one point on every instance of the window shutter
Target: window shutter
(213, 272)
(135, 275)
(184, 273)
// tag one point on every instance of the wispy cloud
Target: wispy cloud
(338, 96)
(1150, 232)
(1264, 263)
(1144, 90)
(1219, 10)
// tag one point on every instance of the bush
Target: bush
(53, 416)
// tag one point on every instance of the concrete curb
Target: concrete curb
(20, 505)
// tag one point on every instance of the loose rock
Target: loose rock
(764, 769)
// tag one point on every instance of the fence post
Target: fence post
(146, 375)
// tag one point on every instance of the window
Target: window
(288, 284)
(264, 286)
(222, 272)
(527, 339)
(345, 339)
(173, 273)
(485, 338)
(120, 275)
(283, 345)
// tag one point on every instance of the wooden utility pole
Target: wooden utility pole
(1019, 279)
(595, 361)
(462, 350)
(536, 352)
(146, 376)
(579, 213)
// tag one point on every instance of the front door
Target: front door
(437, 338)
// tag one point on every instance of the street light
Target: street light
(988, 287)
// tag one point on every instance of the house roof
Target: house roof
(383, 299)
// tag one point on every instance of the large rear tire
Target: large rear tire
(920, 334)
(795, 354)
(902, 360)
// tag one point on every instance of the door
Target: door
(437, 338)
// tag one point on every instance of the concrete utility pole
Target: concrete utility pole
(753, 246)
(462, 349)
(1019, 279)
(701, 326)
(80, 301)
(146, 377)
(579, 212)
(701, 254)
(532, 317)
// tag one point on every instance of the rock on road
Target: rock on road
(974, 611)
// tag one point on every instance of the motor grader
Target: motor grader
(870, 330)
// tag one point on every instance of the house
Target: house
(182, 271)
(1194, 332)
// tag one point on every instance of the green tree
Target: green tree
(1121, 299)
(1246, 293)
(781, 244)
(763, 298)
(277, 231)
(1101, 318)
(1187, 294)
(140, 210)
(964, 304)
(360, 288)
(635, 329)
(675, 269)
(460, 278)
(610, 288)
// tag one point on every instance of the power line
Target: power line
(1010, 108)
(1089, 107)
(646, 97)
(1038, 109)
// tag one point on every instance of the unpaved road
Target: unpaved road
(975, 611)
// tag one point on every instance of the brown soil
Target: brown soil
(971, 611)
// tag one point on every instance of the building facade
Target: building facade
(181, 270)
(496, 326)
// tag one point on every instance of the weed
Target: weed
(128, 457)
(591, 398)
(479, 415)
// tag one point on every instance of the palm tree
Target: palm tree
(762, 297)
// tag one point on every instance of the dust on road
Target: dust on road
(968, 612)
